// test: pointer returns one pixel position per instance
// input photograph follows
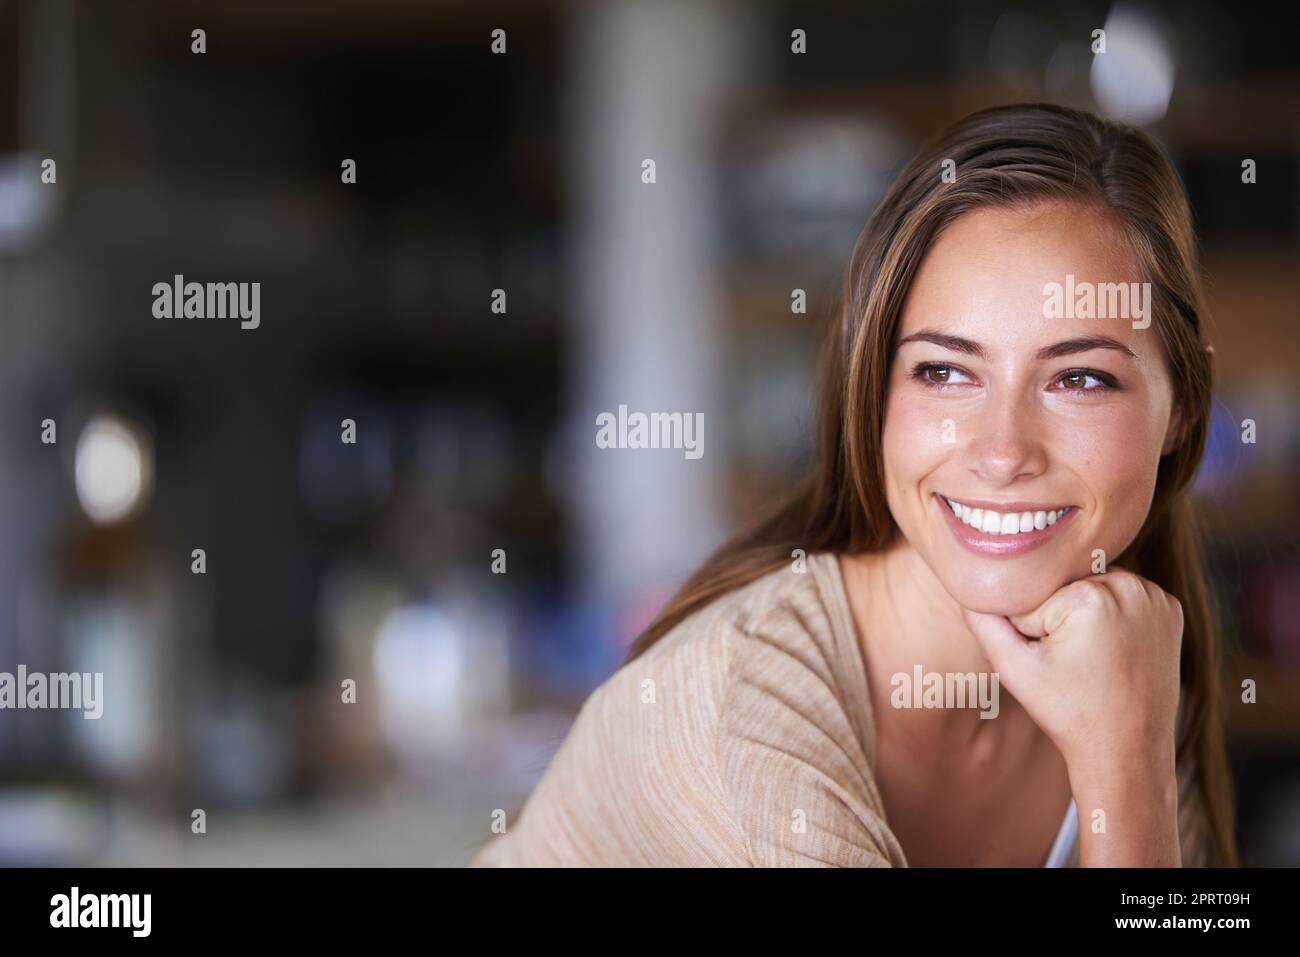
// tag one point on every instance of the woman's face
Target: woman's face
(1006, 416)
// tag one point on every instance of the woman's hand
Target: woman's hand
(1096, 667)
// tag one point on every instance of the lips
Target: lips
(1005, 531)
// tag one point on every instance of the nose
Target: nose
(1007, 442)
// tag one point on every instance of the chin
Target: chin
(1006, 591)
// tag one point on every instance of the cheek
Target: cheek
(1117, 457)
(914, 447)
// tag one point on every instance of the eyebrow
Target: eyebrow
(1056, 350)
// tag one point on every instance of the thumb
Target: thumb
(1047, 618)
(1006, 649)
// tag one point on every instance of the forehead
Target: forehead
(984, 277)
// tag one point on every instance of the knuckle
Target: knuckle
(1128, 585)
(1093, 594)
(1176, 612)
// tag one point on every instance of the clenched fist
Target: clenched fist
(1095, 665)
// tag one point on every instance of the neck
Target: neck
(904, 618)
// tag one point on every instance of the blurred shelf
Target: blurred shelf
(1252, 290)
(1204, 118)
(1274, 719)
(1261, 512)
(383, 25)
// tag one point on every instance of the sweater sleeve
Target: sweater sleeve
(733, 742)
(634, 784)
(794, 770)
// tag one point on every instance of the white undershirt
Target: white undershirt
(1065, 839)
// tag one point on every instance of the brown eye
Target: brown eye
(938, 374)
(1075, 380)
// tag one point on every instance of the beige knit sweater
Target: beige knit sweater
(743, 737)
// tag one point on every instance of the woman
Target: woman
(998, 505)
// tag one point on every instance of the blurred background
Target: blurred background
(472, 561)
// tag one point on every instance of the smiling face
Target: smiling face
(1043, 434)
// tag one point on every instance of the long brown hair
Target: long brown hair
(1006, 155)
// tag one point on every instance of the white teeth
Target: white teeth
(998, 523)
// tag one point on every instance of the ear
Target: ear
(1174, 434)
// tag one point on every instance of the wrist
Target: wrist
(1128, 811)
(1149, 757)
(1144, 776)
